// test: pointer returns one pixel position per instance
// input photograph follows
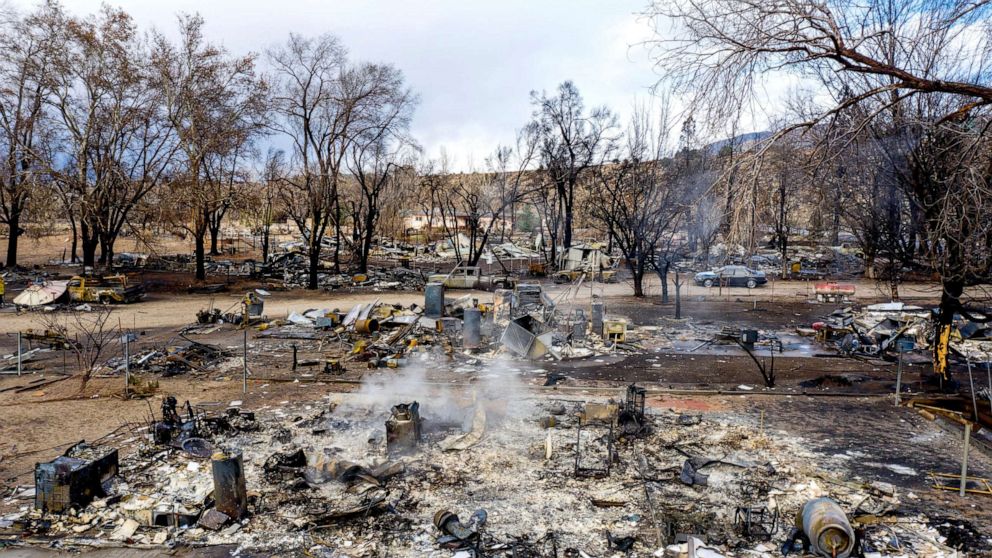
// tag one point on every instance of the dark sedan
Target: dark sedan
(731, 276)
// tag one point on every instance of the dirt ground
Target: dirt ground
(852, 420)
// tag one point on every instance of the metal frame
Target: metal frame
(938, 483)
(594, 472)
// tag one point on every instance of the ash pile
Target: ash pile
(407, 466)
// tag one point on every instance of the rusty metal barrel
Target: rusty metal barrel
(230, 492)
(827, 528)
(472, 328)
(366, 326)
(434, 300)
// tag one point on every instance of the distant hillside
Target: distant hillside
(741, 141)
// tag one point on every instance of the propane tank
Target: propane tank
(827, 528)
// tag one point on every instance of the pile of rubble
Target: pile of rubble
(395, 279)
(881, 329)
(474, 471)
(523, 322)
(180, 356)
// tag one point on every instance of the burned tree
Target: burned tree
(27, 42)
(483, 200)
(117, 141)
(377, 174)
(215, 104)
(636, 199)
(258, 201)
(326, 105)
(570, 142)
(88, 334)
(877, 57)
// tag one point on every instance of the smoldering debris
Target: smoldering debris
(323, 479)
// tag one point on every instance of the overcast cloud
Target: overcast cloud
(472, 63)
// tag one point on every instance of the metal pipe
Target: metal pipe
(366, 326)
(127, 364)
(18, 353)
(964, 459)
(988, 372)
(899, 376)
(971, 382)
(472, 328)
(827, 528)
(230, 492)
(244, 375)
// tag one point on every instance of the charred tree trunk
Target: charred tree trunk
(636, 265)
(314, 264)
(90, 242)
(265, 244)
(214, 234)
(14, 227)
(662, 271)
(201, 268)
(567, 232)
(74, 252)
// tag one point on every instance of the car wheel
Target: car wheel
(751, 283)
(708, 283)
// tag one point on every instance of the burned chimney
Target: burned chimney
(403, 429)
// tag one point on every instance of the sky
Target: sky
(472, 63)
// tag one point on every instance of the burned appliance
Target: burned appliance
(74, 479)
(404, 429)
(631, 415)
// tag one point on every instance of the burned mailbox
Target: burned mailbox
(403, 429)
(75, 478)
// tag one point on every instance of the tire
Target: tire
(751, 283)
(708, 283)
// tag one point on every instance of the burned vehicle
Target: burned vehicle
(471, 277)
(731, 276)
